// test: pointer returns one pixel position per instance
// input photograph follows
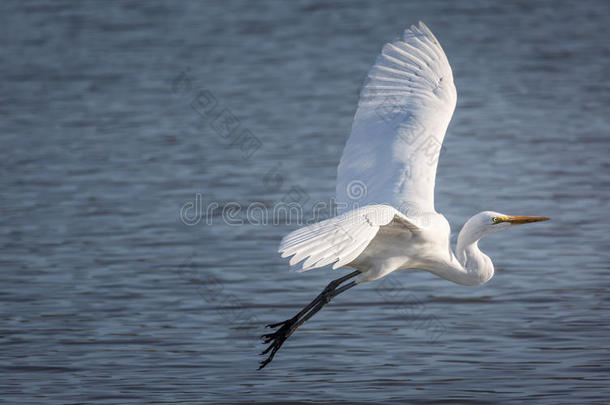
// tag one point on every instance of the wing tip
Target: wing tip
(422, 29)
(297, 269)
(295, 266)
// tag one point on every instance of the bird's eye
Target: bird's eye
(496, 220)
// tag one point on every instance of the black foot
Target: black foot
(275, 325)
(287, 327)
(276, 339)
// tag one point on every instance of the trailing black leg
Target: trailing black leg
(287, 327)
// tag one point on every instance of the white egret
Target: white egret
(385, 186)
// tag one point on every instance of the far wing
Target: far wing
(341, 239)
(404, 110)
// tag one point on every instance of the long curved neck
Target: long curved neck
(469, 265)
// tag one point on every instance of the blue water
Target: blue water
(108, 295)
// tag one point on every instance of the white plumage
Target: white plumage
(385, 185)
(338, 240)
(388, 167)
(386, 176)
(404, 110)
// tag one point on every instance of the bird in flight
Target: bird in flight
(385, 186)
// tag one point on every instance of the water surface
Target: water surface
(107, 296)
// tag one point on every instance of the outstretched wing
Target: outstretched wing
(404, 110)
(341, 239)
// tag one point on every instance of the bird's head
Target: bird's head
(487, 222)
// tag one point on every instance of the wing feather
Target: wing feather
(341, 239)
(404, 109)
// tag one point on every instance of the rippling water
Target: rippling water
(107, 296)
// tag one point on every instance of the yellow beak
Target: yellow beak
(521, 219)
